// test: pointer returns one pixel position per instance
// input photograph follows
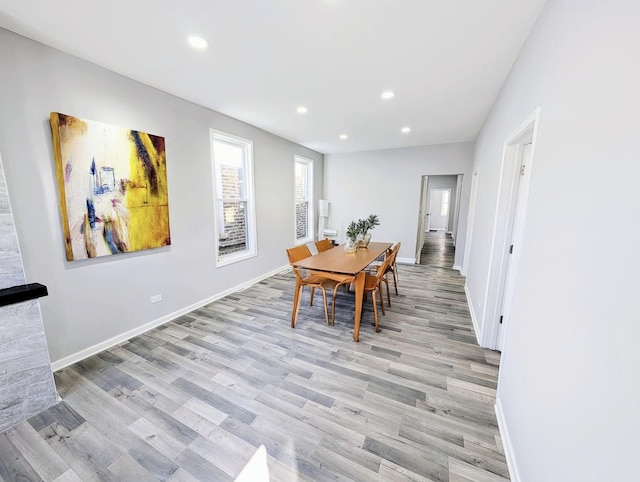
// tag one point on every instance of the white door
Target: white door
(514, 224)
(439, 202)
(422, 222)
(456, 214)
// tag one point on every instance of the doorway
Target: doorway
(438, 214)
(516, 172)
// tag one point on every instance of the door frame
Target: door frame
(456, 214)
(470, 219)
(422, 213)
(422, 209)
(510, 205)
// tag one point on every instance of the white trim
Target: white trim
(422, 215)
(509, 451)
(405, 260)
(121, 338)
(470, 219)
(472, 313)
(495, 296)
(457, 267)
(251, 250)
(310, 210)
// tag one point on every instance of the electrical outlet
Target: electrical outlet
(156, 299)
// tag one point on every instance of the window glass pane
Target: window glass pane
(444, 205)
(229, 159)
(232, 229)
(302, 219)
(303, 198)
(301, 181)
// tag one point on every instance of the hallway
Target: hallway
(438, 249)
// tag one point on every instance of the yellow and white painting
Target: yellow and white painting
(113, 188)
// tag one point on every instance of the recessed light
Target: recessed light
(388, 95)
(343, 136)
(406, 130)
(198, 42)
(301, 110)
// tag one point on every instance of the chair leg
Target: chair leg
(333, 305)
(296, 307)
(375, 311)
(381, 297)
(395, 280)
(326, 312)
(386, 281)
(313, 289)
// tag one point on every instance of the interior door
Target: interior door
(422, 222)
(514, 224)
(439, 202)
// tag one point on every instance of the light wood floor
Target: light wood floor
(438, 249)
(195, 398)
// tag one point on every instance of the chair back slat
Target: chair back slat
(382, 268)
(394, 254)
(298, 252)
(324, 245)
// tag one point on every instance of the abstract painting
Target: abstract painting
(113, 187)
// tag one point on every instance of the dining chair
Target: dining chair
(306, 279)
(324, 245)
(315, 279)
(373, 284)
(391, 268)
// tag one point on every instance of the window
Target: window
(234, 206)
(444, 205)
(304, 200)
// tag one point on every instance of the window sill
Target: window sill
(234, 258)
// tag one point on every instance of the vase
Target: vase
(363, 240)
(350, 246)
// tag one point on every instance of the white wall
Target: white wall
(92, 301)
(567, 393)
(388, 183)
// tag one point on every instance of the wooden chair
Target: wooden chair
(324, 245)
(391, 268)
(306, 279)
(314, 279)
(373, 284)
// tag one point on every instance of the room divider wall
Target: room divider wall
(26, 379)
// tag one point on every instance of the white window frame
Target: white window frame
(309, 198)
(251, 249)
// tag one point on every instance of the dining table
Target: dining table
(337, 260)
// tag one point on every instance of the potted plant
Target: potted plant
(363, 227)
(358, 235)
(352, 235)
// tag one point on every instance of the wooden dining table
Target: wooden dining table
(337, 260)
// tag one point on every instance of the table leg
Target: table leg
(296, 302)
(359, 286)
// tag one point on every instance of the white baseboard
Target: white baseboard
(104, 345)
(474, 318)
(457, 267)
(509, 453)
(405, 260)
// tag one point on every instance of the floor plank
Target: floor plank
(195, 398)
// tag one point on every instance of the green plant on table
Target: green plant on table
(367, 224)
(352, 231)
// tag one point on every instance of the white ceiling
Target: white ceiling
(445, 60)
